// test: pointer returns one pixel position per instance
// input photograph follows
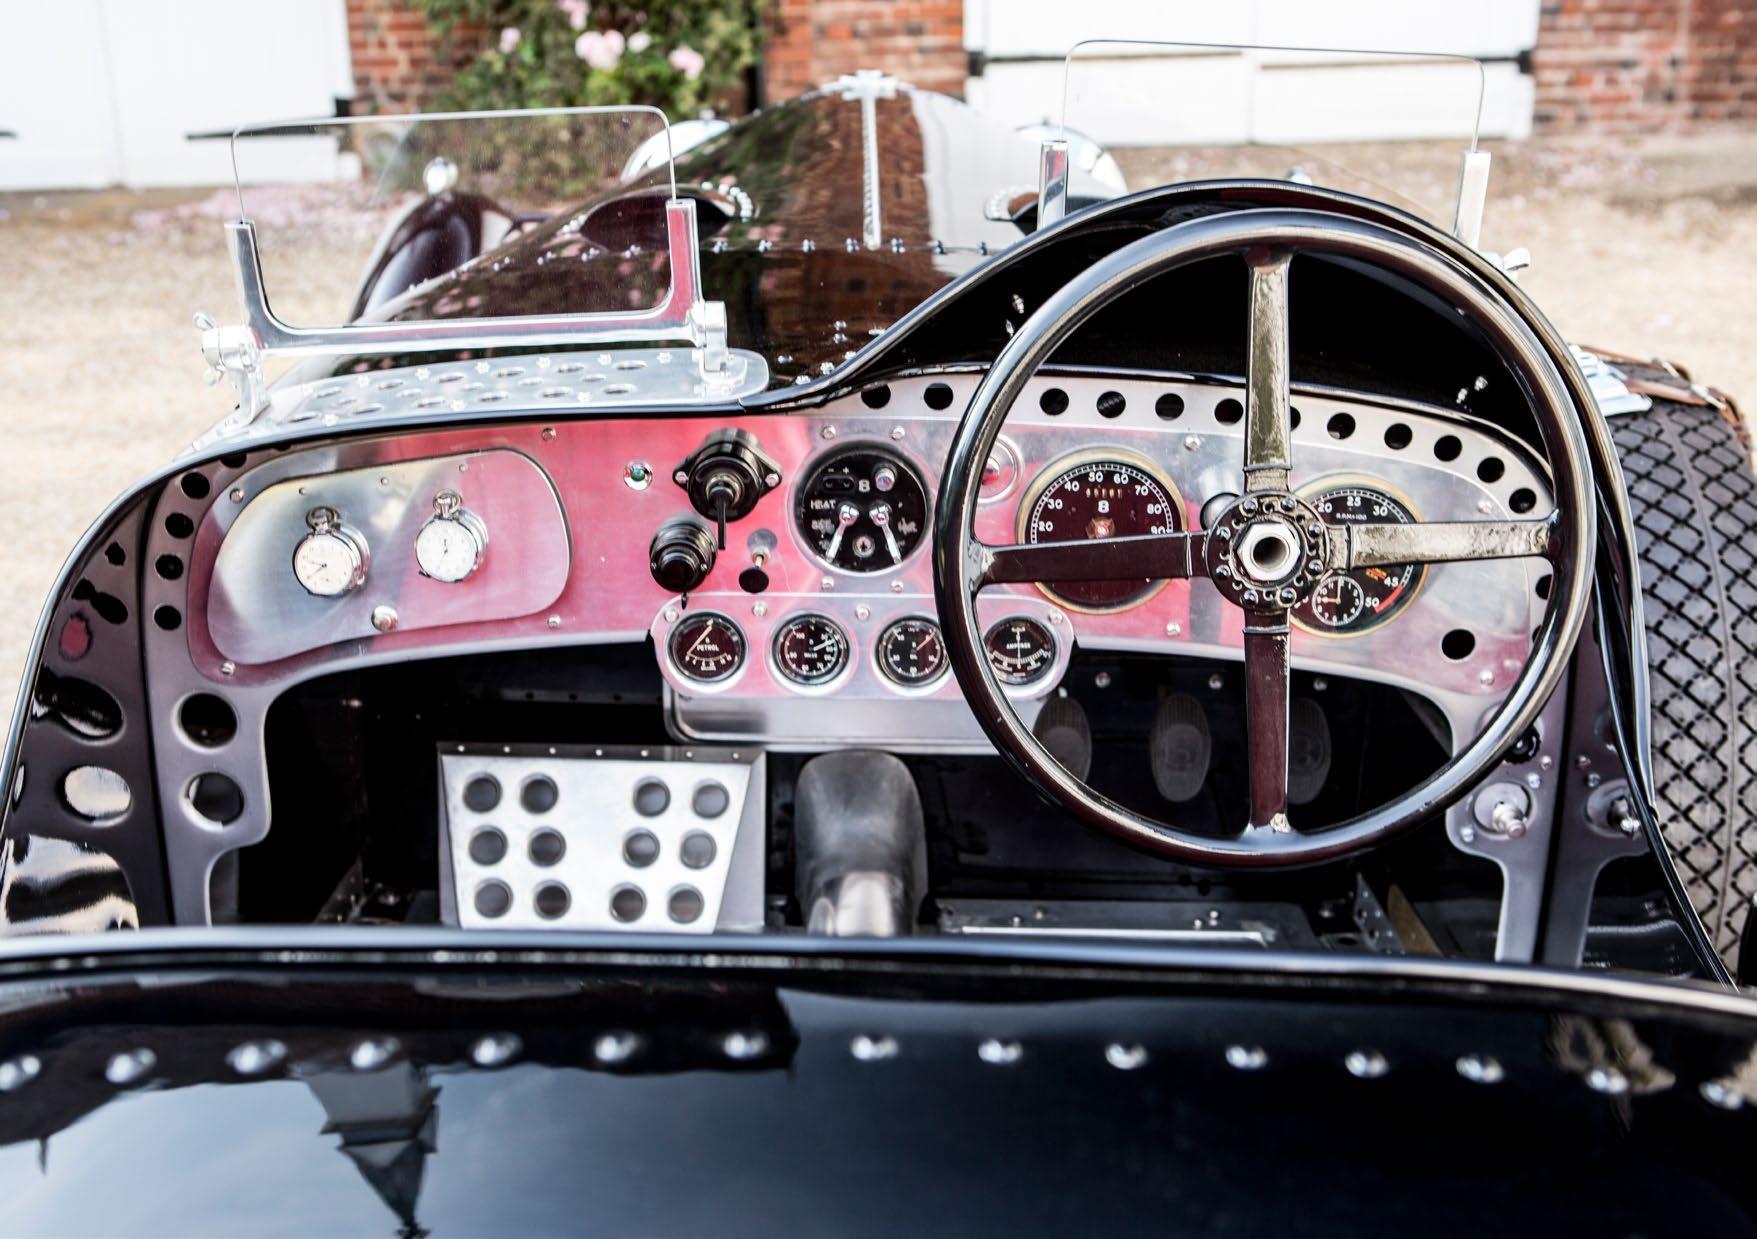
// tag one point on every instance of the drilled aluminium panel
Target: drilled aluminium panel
(1695, 506)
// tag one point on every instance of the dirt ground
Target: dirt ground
(1648, 248)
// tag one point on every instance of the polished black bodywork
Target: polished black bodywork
(868, 1090)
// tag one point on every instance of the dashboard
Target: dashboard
(809, 621)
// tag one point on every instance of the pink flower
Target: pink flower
(600, 49)
(639, 41)
(509, 40)
(687, 61)
(577, 11)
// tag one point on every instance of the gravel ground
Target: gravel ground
(1649, 249)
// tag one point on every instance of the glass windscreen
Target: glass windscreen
(1388, 125)
(371, 217)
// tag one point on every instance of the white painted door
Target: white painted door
(1128, 96)
(106, 92)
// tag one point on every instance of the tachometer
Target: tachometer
(707, 647)
(911, 653)
(1020, 650)
(1099, 497)
(1345, 604)
(862, 509)
(810, 650)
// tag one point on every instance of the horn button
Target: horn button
(1267, 550)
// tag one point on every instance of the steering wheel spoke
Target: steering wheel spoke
(1267, 675)
(1268, 417)
(1141, 557)
(1436, 542)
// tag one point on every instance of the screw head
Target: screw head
(555, 621)
(384, 617)
(1174, 629)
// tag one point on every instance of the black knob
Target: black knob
(682, 555)
(725, 477)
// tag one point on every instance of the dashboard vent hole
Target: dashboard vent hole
(651, 798)
(115, 554)
(876, 397)
(482, 794)
(1170, 406)
(1543, 587)
(1293, 418)
(1229, 411)
(236, 460)
(1447, 447)
(1522, 500)
(493, 898)
(96, 793)
(1340, 426)
(552, 900)
(195, 485)
(1112, 404)
(1491, 469)
(685, 905)
(207, 720)
(640, 849)
(488, 846)
(168, 566)
(179, 525)
(1054, 401)
(215, 797)
(168, 617)
(627, 903)
(539, 794)
(938, 396)
(546, 848)
(1458, 644)
(1398, 436)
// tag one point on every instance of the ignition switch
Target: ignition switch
(725, 477)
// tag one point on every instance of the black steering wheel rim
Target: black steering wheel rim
(962, 565)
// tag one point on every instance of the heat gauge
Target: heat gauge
(707, 648)
(1020, 650)
(911, 654)
(810, 650)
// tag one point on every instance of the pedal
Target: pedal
(585, 837)
(1308, 750)
(1063, 728)
(1180, 748)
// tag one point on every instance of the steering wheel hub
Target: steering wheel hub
(1267, 550)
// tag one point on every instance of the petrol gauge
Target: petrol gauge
(862, 509)
(1099, 497)
(707, 647)
(911, 653)
(810, 650)
(1020, 650)
(1346, 604)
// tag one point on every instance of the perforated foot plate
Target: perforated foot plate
(587, 837)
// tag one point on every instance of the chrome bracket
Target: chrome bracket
(1052, 181)
(684, 314)
(867, 87)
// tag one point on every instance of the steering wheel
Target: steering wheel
(1267, 549)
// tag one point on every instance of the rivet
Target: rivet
(1722, 1093)
(1102, 679)
(252, 1058)
(670, 615)
(873, 1049)
(896, 432)
(617, 1047)
(1125, 1057)
(228, 667)
(742, 1047)
(896, 587)
(548, 433)
(1319, 684)
(828, 432)
(1174, 629)
(1467, 834)
(1594, 778)
(862, 612)
(1216, 681)
(15, 1073)
(1486, 676)
(1247, 1057)
(827, 583)
(129, 1066)
(998, 1053)
(384, 617)
(1534, 781)
(759, 609)
(372, 1053)
(495, 1049)
(555, 621)
(1192, 442)
(1481, 1069)
(237, 494)
(1607, 1080)
(1366, 1064)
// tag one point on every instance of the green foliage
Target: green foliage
(583, 52)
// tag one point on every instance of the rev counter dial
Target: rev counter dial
(1346, 604)
(1020, 650)
(1099, 497)
(707, 648)
(862, 509)
(911, 653)
(810, 650)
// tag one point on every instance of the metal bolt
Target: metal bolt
(1174, 629)
(670, 615)
(237, 494)
(896, 432)
(1366, 1064)
(1125, 1057)
(828, 432)
(548, 433)
(1486, 676)
(1583, 761)
(228, 668)
(1247, 1057)
(1467, 834)
(759, 609)
(1481, 1069)
(1722, 1093)
(1287, 597)
(1102, 679)
(872, 1049)
(555, 621)
(1192, 442)
(384, 617)
(1319, 684)
(896, 587)
(1594, 779)
(827, 583)
(1534, 781)
(998, 1053)
(863, 612)
(1216, 681)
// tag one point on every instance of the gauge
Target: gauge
(862, 509)
(330, 560)
(1020, 650)
(1099, 497)
(450, 545)
(707, 647)
(810, 649)
(911, 653)
(1350, 603)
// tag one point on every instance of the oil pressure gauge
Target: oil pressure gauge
(451, 544)
(330, 560)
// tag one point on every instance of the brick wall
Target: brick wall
(398, 63)
(815, 41)
(1616, 67)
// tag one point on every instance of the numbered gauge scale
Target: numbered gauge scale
(1096, 497)
(707, 648)
(1347, 604)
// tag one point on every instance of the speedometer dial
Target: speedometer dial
(810, 650)
(1099, 497)
(1345, 604)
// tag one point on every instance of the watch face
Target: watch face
(326, 564)
(447, 550)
